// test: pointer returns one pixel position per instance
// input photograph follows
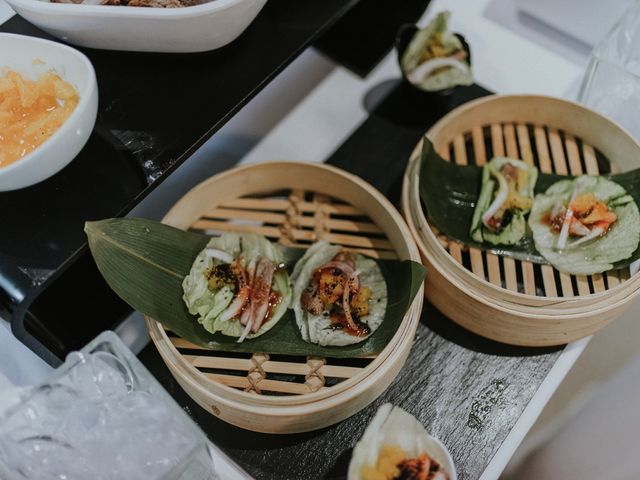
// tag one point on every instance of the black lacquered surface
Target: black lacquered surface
(368, 31)
(468, 391)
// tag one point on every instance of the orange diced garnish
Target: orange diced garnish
(331, 286)
(31, 111)
(360, 301)
(599, 212)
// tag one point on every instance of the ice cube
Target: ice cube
(92, 423)
(101, 375)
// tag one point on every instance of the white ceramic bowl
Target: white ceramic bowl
(190, 29)
(18, 53)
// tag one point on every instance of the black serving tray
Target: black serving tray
(155, 110)
(468, 391)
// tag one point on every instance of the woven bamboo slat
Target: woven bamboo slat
(512, 301)
(294, 204)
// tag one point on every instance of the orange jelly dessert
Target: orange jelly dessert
(31, 111)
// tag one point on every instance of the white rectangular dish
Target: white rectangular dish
(196, 28)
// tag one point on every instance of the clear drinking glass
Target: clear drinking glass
(102, 415)
(611, 84)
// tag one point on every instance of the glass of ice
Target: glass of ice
(611, 84)
(102, 415)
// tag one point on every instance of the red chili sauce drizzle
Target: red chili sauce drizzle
(339, 322)
(420, 468)
(554, 223)
(274, 300)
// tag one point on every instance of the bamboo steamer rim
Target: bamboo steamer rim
(540, 318)
(341, 402)
(570, 304)
(513, 329)
(402, 336)
(578, 122)
(158, 335)
(527, 329)
(260, 403)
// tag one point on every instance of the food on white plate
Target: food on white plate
(585, 225)
(137, 3)
(436, 59)
(395, 446)
(505, 199)
(237, 286)
(31, 111)
(339, 298)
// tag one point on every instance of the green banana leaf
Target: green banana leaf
(449, 193)
(144, 262)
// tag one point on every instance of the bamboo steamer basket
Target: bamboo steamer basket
(295, 204)
(503, 299)
(556, 306)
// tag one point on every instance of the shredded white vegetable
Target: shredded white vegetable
(246, 331)
(219, 254)
(498, 202)
(425, 69)
(596, 232)
(564, 232)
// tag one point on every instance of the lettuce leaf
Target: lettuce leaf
(515, 231)
(207, 305)
(601, 253)
(317, 328)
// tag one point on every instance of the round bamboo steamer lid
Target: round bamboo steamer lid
(556, 306)
(512, 120)
(296, 204)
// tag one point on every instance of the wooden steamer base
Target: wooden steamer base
(502, 298)
(295, 204)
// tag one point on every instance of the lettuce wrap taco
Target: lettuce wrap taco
(505, 198)
(436, 59)
(339, 298)
(396, 446)
(585, 225)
